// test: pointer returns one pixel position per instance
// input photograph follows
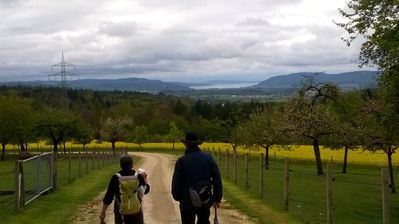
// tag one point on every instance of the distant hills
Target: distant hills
(126, 84)
(347, 80)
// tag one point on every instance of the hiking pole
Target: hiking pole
(215, 220)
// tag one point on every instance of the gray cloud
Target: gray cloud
(154, 38)
(124, 29)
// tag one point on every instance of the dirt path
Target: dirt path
(159, 206)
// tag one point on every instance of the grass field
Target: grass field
(66, 175)
(58, 207)
(357, 194)
(253, 206)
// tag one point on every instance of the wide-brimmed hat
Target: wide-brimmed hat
(192, 138)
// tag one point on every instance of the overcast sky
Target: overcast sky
(173, 39)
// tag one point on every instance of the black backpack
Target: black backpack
(200, 193)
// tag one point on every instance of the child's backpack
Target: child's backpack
(130, 202)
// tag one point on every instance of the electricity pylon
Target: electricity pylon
(63, 74)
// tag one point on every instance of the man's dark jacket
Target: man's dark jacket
(194, 167)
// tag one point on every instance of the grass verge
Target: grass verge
(59, 206)
(253, 207)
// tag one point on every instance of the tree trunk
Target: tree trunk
(23, 149)
(316, 150)
(64, 147)
(173, 145)
(55, 148)
(393, 188)
(141, 147)
(345, 159)
(113, 147)
(266, 157)
(3, 151)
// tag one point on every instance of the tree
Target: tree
(57, 126)
(380, 132)
(16, 122)
(140, 135)
(179, 107)
(307, 117)
(175, 134)
(116, 129)
(377, 21)
(263, 130)
(307, 121)
(209, 130)
(158, 125)
(233, 137)
(347, 137)
(84, 136)
(347, 134)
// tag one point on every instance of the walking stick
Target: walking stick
(215, 220)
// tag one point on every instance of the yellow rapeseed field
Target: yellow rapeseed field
(296, 152)
(306, 152)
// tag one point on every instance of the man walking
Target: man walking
(196, 182)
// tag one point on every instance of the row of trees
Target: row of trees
(154, 111)
(321, 115)
(318, 115)
(21, 122)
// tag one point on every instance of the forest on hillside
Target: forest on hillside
(319, 114)
(155, 112)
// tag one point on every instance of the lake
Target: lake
(225, 85)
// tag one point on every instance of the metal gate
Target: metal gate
(33, 177)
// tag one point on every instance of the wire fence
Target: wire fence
(21, 181)
(357, 194)
(34, 177)
(7, 182)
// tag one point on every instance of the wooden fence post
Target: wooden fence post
(97, 158)
(219, 156)
(38, 163)
(103, 158)
(246, 171)
(19, 191)
(55, 170)
(235, 166)
(92, 160)
(330, 208)
(385, 195)
(80, 164)
(286, 183)
(261, 168)
(227, 163)
(69, 165)
(87, 161)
